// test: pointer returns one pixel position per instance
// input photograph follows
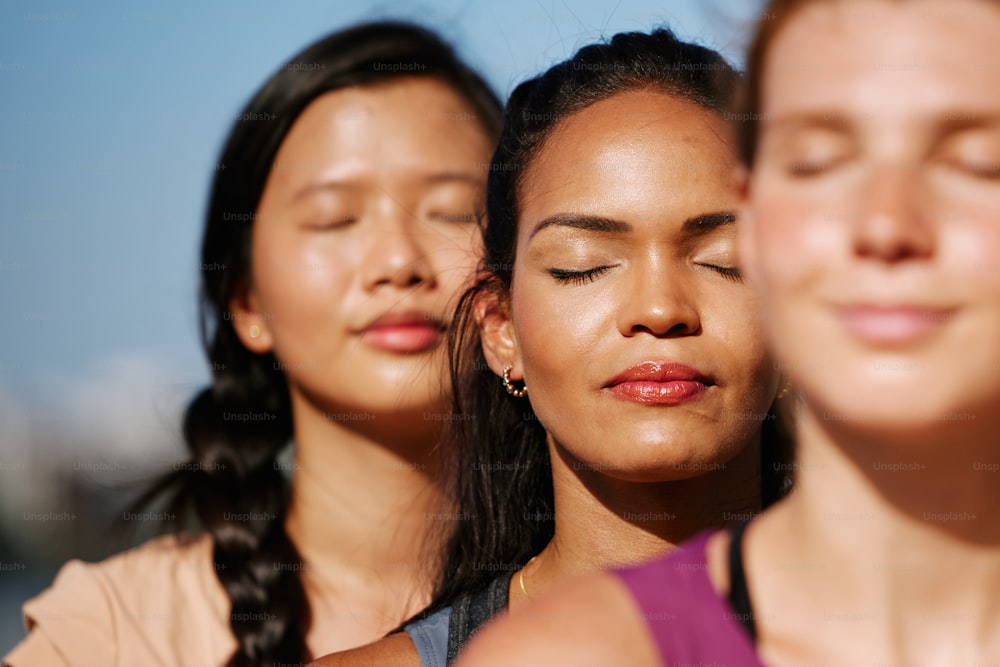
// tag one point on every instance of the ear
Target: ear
(250, 321)
(496, 331)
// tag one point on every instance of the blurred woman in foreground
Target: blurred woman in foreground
(870, 230)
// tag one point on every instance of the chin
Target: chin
(907, 417)
(653, 461)
(411, 405)
(406, 383)
(664, 471)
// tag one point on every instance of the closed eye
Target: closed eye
(567, 276)
(331, 224)
(986, 170)
(728, 272)
(808, 168)
(454, 217)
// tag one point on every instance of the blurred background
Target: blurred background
(111, 120)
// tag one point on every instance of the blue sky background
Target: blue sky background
(111, 118)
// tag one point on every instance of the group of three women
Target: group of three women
(615, 392)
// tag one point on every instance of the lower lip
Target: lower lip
(403, 338)
(892, 326)
(674, 392)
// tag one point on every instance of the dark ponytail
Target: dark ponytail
(233, 487)
(497, 445)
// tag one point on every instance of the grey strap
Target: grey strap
(471, 611)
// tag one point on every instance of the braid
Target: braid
(234, 489)
(244, 509)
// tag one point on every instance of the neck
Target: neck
(362, 514)
(603, 522)
(942, 492)
(910, 533)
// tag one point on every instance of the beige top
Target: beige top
(157, 604)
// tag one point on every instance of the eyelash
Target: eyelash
(565, 276)
(730, 273)
(990, 171)
(455, 218)
(332, 225)
(806, 169)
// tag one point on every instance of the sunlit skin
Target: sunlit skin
(370, 211)
(882, 184)
(655, 282)
(870, 229)
(359, 219)
(658, 282)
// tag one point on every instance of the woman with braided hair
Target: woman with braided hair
(338, 236)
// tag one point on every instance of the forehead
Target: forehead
(412, 123)
(634, 144)
(885, 58)
(645, 158)
(628, 119)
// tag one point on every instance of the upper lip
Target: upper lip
(405, 318)
(862, 305)
(892, 309)
(660, 371)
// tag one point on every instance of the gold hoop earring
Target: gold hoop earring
(511, 389)
(255, 331)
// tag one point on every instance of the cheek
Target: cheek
(793, 238)
(743, 343)
(558, 327)
(455, 257)
(974, 249)
(799, 217)
(302, 279)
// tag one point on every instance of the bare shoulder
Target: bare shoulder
(393, 651)
(589, 620)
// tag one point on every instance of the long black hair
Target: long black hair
(503, 475)
(233, 486)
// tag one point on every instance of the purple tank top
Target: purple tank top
(689, 621)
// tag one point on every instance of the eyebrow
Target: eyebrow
(950, 120)
(430, 179)
(827, 120)
(703, 224)
(695, 226)
(590, 223)
(456, 176)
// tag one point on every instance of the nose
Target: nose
(396, 254)
(658, 302)
(893, 227)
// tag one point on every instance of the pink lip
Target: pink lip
(659, 383)
(893, 324)
(407, 332)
